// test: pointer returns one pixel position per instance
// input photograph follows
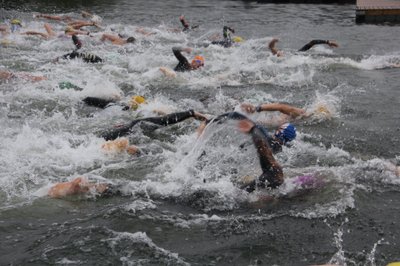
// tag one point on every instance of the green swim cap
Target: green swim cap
(68, 85)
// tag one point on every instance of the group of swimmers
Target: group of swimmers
(267, 143)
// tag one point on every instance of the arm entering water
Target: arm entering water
(272, 171)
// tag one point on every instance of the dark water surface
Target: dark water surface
(180, 204)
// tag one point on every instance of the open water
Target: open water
(180, 202)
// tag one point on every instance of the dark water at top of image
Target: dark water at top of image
(180, 203)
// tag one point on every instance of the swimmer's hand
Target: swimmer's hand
(199, 116)
(333, 44)
(248, 108)
(245, 126)
(187, 50)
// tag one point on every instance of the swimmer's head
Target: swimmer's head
(285, 133)
(15, 25)
(69, 29)
(136, 101)
(237, 39)
(131, 40)
(197, 62)
(96, 19)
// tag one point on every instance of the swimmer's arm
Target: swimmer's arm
(309, 45)
(79, 24)
(178, 54)
(144, 32)
(35, 33)
(77, 32)
(273, 49)
(3, 29)
(268, 163)
(185, 24)
(49, 30)
(108, 37)
(286, 109)
(226, 29)
(52, 17)
(86, 14)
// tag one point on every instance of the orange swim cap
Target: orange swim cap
(198, 59)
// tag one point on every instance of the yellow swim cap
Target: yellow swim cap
(394, 264)
(68, 29)
(136, 101)
(16, 22)
(237, 39)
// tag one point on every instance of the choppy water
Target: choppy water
(180, 203)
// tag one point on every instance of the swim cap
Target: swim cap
(198, 59)
(136, 101)
(68, 29)
(76, 41)
(16, 22)
(286, 133)
(96, 19)
(237, 39)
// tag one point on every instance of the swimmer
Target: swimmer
(272, 175)
(86, 57)
(185, 24)
(7, 75)
(92, 17)
(184, 65)
(227, 41)
(16, 25)
(133, 103)
(78, 186)
(282, 136)
(306, 47)
(166, 120)
(118, 146)
(116, 39)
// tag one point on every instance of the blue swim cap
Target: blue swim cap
(286, 133)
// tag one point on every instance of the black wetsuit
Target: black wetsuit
(86, 57)
(183, 64)
(275, 144)
(103, 103)
(272, 171)
(227, 42)
(162, 121)
(309, 45)
(266, 146)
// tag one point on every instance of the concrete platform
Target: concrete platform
(378, 11)
(340, 2)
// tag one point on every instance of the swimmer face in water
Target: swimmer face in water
(197, 62)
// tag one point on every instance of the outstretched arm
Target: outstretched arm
(109, 37)
(53, 17)
(286, 109)
(41, 34)
(162, 121)
(309, 45)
